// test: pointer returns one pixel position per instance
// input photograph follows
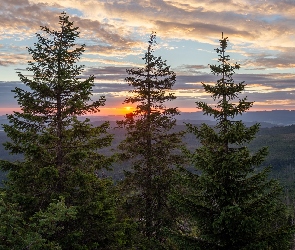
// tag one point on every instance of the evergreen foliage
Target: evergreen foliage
(152, 149)
(61, 153)
(16, 233)
(230, 204)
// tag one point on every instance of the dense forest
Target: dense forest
(145, 182)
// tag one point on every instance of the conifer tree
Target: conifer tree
(17, 233)
(61, 156)
(151, 147)
(230, 204)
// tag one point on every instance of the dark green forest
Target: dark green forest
(144, 182)
(280, 141)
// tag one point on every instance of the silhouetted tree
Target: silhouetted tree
(61, 153)
(152, 148)
(230, 204)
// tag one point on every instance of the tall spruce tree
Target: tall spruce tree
(61, 153)
(230, 204)
(152, 149)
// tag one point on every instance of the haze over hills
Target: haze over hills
(265, 118)
(280, 117)
(275, 133)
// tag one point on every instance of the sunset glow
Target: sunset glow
(116, 38)
(114, 111)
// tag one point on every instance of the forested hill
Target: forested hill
(281, 144)
(280, 141)
(265, 118)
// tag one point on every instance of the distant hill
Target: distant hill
(265, 118)
(279, 139)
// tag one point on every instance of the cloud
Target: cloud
(21, 19)
(271, 89)
(110, 70)
(13, 55)
(261, 36)
(115, 26)
(202, 20)
(283, 58)
(130, 48)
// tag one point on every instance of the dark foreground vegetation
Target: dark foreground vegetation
(198, 187)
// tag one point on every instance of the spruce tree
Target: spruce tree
(61, 152)
(18, 233)
(152, 148)
(230, 204)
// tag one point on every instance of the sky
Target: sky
(261, 39)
